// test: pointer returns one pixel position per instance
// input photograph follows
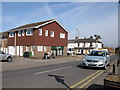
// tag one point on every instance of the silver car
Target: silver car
(6, 57)
(97, 58)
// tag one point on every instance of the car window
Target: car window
(0, 52)
(96, 53)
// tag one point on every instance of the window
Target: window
(45, 48)
(52, 33)
(23, 33)
(46, 32)
(19, 33)
(29, 32)
(62, 35)
(11, 34)
(40, 48)
(40, 31)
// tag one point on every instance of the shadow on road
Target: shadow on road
(95, 86)
(3, 61)
(88, 68)
(60, 79)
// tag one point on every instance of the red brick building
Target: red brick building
(4, 42)
(38, 38)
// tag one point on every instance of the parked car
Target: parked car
(97, 58)
(6, 57)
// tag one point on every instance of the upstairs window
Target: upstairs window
(23, 33)
(29, 32)
(11, 34)
(46, 32)
(62, 35)
(52, 33)
(40, 31)
(19, 33)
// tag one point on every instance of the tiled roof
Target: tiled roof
(82, 41)
(32, 25)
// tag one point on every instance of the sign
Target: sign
(57, 48)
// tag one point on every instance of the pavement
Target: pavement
(25, 63)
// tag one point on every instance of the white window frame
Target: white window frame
(45, 48)
(62, 35)
(52, 34)
(23, 33)
(40, 48)
(19, 33)
(31, 32)
(40, 32)
(11, 34)
(46, 32)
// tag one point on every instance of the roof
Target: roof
(83, 41)
(2, 34)
(35, 25)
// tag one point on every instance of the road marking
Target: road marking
(53, 70)
(84, 79)
(83, 85)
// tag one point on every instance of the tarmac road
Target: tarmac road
(61, 75)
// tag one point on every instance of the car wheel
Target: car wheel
(9, 59)
(105, 67)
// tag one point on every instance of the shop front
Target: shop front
(57, 50)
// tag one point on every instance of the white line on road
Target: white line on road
(52, 70)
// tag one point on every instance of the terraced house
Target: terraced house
(38, 38)
(84, 46)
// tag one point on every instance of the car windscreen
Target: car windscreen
(97, 53)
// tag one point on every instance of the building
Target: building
(84, 46)
(4, 42)
(38, 38)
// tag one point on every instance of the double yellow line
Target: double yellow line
(90, 78)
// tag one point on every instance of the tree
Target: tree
(97, 37)
(91, 37)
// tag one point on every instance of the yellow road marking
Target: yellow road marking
(83, 85)
(84, 80)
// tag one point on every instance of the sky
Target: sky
(89, 18)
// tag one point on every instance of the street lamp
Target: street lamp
(78, 33)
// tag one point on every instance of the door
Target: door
(11, 50)
(82, 52)
(21, 50)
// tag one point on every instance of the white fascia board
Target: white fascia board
(20, 29)
(51, 22)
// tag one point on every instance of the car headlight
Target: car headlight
(101, 61)
(84, 59)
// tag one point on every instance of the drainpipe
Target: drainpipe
(15, 43)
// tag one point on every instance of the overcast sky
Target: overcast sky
(89, 18)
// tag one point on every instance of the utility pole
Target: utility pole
(78, 33)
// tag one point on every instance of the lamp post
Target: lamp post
(78, 33)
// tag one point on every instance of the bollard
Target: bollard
(113, 68)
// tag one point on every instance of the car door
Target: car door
(2, 55)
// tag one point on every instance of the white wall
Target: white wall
(11, 50)
(98, 45)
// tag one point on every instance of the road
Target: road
(63, 75)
